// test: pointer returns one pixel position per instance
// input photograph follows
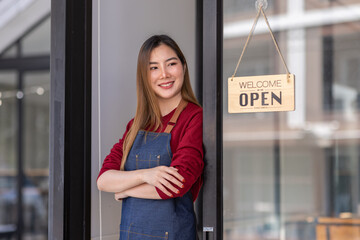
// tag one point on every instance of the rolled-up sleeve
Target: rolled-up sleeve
(188, 157)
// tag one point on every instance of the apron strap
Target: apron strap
(172, 122)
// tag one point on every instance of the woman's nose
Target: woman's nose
(164, 73)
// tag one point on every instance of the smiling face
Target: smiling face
(166, 74)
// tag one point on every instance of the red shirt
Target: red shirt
(186, 146)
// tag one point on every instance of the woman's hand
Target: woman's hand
(120, 196)
(163, 177)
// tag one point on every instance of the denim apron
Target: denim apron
(150, 219)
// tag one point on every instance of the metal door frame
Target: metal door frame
(70, 120)
(210, 48)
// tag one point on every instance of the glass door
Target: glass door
(294, 175)
(24, 144)
(24, 135)
(8, 147)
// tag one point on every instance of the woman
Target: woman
(156, 167)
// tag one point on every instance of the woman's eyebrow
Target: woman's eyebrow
(169, 59)
(172, 58)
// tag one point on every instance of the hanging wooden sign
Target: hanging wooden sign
(268, 93)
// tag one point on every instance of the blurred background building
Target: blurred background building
(290, 175)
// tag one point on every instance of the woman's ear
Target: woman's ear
(184, 68)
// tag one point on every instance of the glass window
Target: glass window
(36, 151)
(323, 4)
(24, 101)
(8, 147)
(37, 42)
(10, 53)
(295, 181)
(232, 8)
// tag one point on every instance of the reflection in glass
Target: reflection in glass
(35, 135)
(37, 42)
(36, 151)
(295, 181)
(10, 53)
(8, 148)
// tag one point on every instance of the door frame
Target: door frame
(70, 123)
(210, 43)
(70, 120)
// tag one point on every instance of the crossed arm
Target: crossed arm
(141, 183)
(160, 182)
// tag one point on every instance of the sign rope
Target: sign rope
(266, 93)
(250, 35)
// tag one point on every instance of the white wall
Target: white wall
(124, 26)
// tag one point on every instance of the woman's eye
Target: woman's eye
(172, 64)
(153, 68)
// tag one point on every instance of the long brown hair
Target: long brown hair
(148, 115)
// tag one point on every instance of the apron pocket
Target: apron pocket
(141, 233)
(145, 161)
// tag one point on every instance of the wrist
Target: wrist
(141, 175)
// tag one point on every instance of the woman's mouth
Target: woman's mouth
(166, 85)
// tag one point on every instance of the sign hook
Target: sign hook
(261, 3)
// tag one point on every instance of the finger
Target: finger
(176, 174)
(169, 186)
(163, 189)
(174, 180)
(117, 198)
